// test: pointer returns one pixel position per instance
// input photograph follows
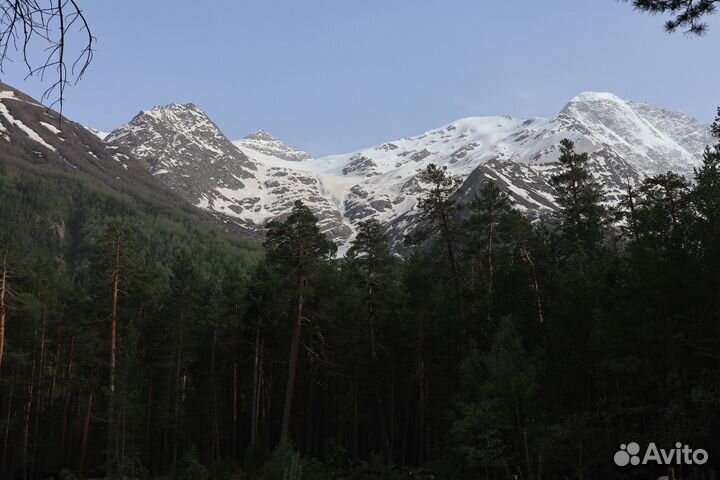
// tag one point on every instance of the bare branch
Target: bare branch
(25, 24)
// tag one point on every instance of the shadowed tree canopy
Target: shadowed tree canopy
(580, 197)
(141, 344)
(688, 15)
(40, 31)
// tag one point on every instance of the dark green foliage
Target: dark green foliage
(59, 235)
(498, 418)
(706, 195)
(285, 463)
(663, 211)
(297, 239)
(500, 348)
(440, 222)
(688, 15)
(295, 252)
(438, 207)
(582, 215)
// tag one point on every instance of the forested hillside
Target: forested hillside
(78, 261)
(139, 341)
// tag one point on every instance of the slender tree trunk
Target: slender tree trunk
(673, 206)
(268, 403)
(213, 386)
(355, 413)
(421, 390)
(535, 283)
(581, 462)
(55, 368)
(376, 366)
(392, 413)
(292, 364)
(383, 421)
(235, 408)
(460, 307)
(256, 389)
(309, 420)
(631, 208)
(28, 412)
(522, 434)
(111, 442)
(66, 409)
(406, 427)
(123, 429)
(453, 266)
(176, 419)
(540, 467)
(491, 265)
(3, 307)
(6, 437)
(371, 314)
(85, 435)
(39, 395)
(148, 420)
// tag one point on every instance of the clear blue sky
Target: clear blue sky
(332, 76)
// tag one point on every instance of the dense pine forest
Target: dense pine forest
(139, 341)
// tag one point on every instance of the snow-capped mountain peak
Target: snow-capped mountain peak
(246, 185)
(653, 139)
(261, 136)
(176, 134)
(188, 152)
(257, 178)
(586, 97)
(266, 147)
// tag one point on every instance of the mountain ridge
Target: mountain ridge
(260, 177)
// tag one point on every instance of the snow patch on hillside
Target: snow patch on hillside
(32, 134)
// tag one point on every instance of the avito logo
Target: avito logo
(680, 455)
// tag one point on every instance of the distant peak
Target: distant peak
(261, 135)
(172, 107)
(596, 97)
(261, 141)
(98, 133)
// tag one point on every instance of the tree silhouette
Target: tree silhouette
(49, 24)
(686, 14)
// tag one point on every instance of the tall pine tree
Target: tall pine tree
(582, 215)
(295, 248)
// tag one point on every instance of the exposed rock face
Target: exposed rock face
(263, 143)
(188, 152)
(32, 134)
(258, 178)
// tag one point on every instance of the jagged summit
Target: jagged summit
(251, 181)
(185, 149)
(258, 178)
(172, 107)
(264, 147)
(260, 135)
(596, 97)
(245, 185)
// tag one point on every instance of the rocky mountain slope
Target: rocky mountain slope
(256, 179)
(263, 146)
(246, 188)
(31, 136)
(626, 141)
